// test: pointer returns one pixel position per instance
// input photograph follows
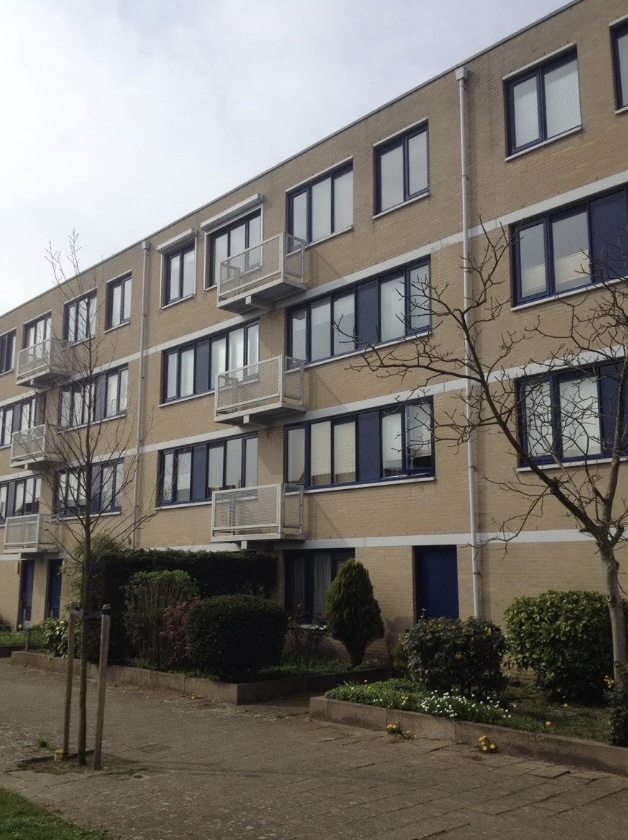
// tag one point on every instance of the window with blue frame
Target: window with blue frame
(322, 207)
(401, 168)
(571, 247)
(104, 397)
(393, 442)
(20, 416)
(386, 308)
(194, 367)
(308, 577)
(104, 495)
(192, 473)
(543, 102)
(19, 497)
(571, 415)
(7, 348)
(619, 35)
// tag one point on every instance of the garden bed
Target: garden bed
(234, 693)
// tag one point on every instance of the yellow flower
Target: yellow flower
(548, 723)
(492, 747)
(484, 748)
(565, 705)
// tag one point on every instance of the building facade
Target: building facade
(225, 353)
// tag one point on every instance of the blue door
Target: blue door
(53, 603)
(26, 600)
(436, 582)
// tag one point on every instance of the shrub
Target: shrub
(147, 595)
(618, 705)
(447, 654)
(54, 636)
(566, 638)
(304, 640)
(353, 614)
(173, 637)
(233, 636)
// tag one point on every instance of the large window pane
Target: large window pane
(321, 209)
(343, 201)
(126, 299)
(216, 458)
(621, 69)
(172, 368)
(419, 305)
(418, 437)
(526, 112)
(116, 305)
(579, 417)
(321, 330)
(187, 372)
(570, 238)
(233, 477)
(299, 215)
(250, 462)
(295, 472)
(189, 279)
(320, 453)
(344, 452)
(344, 324)
(391, 178)
(184, 476)
(562, 99)
(392, 307)
(236, 349)
(174, 272)
(532, 272)
(538, 419)
(392, 461)
(111, 407)
(219, 359)
(298, 342)
(220, 253)
(417, 163)
(124, 389)
(321, 580)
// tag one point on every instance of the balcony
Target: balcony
(260, 392)
(43, 364)
(32, 447)
(272, 512)
(30, 534)
(259, 276)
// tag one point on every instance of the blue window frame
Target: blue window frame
(19, 416)
(80, 318)
(104, 397)
(571, 247)
(118, 302)
(619, 35)
(192, 473)
(385, 308)
(308, 577)
(103, 496)
(571, 415)
(179, 269)
(19, 497)
(542, 103)
(401, 169)
(388, 443)
(322, 207)
(7, 347)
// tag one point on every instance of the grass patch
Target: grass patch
(17, 638)
(521, 706)
(25, 820)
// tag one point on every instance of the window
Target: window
(7, 346)
(323, 207)
(106, 396)
(571, 248)
(179, 273)
(193, 368)
(383, 309)
(395, 442)
(620, 62)
(401, 169)
(232, 240)
(192, 473)
(80, 318)
(37, 331)
(19, 416)
(19, 497)
(308, 577)
(118, 302)
(570, 415)
(543, 103)
(104, 496)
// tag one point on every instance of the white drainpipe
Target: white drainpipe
(139, 434)
(462, 75)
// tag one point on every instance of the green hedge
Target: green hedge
(233, 636)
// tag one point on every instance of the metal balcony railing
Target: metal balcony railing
(270, 388)
(270, 512)
(33, 533)
(32, 446)
(43, 363)
(259, 276)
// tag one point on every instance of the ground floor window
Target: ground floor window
(308, 576)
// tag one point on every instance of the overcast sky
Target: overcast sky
(119, 116)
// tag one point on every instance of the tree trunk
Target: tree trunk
(82, 724)
(616, 610)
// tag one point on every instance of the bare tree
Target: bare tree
(91, 433)
(552, 385)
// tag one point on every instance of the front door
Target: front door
(26, 588)
(53, 602)
(436, 582)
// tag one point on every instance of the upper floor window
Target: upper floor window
(118, 302)
(19, 497)
(179, 273)
(234, 239)
(543, 103)
(383, 309)
(395, 442)
(104, 494)
(80, 318)
(322, 207)
(193, 368)
(192, 473)
(7, 347)
(620, 63)
(104, 397)
(571, 415)
(37, 331)
(20, 416)
(401, 169)
(572, 247)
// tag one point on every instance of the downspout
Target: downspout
(139, 434)
(462, 75)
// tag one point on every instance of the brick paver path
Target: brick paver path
(269, 773)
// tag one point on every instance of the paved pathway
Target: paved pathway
(211, 772)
